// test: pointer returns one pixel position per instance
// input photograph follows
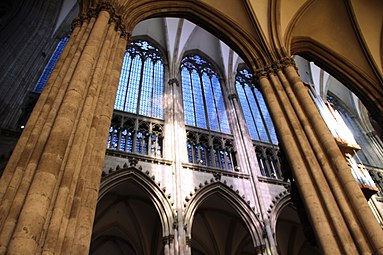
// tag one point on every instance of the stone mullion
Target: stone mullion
(371, 232)
(278, 110)
(85, 216)
(35, 143)
(318, 179)
(338, 210)
(36, 206)
(73, 166)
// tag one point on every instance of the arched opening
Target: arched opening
(347, 73)
(218, 229)
(290, 233)
(132, 215)
(127, 222)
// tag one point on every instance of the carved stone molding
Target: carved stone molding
(168, 239)
(232, 96)
(77, 22)
(288, 61)
(260, 249)
(259, 74)
(188, 241)
(173, 81)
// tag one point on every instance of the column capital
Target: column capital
(232, 96)
(259, 74)
(173, 81)
(288, 61)
(77, 22)
(168, 239)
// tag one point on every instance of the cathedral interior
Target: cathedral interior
(191, 127)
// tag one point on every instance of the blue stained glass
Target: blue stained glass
(222, 157)
(220, 104)
(157, 109)
(209, 159)
(196, 158)
(266, 117)
(122, 86)
(190, 152)
(187, 98)
(211, 107)
(50, 66)
(114, 139)
(216, 158)
(229, 164)
(203, 155)
(198, 100)
(134, 84)
(129, 142)
(247, 111)
(256, 115)
(146, 88)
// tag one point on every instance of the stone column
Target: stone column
(53, 149)
(80, 217)
(367, 234)
(291, 135)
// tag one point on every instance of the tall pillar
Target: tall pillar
(54, 174)
(365, 231)
(312, 186)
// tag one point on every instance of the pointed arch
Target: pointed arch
(251, 48)
(156, 195)
(242, 208)
(346, 72)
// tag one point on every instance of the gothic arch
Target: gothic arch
(345, 71)
(282, 200)
(248, 46)
(243, 209)
(156, 195)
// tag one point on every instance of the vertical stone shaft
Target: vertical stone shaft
(21, 180)
(35, 209)
(73, 166)
(289, 142)
(355, 197)
(110, 81)
(67, 227)
(85, 218)
(319, 173)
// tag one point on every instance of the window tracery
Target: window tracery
(137, 125)
(135, 135)
(259, 124)
(209, 143)
(204, 106)
(141, 85)
(211, 150)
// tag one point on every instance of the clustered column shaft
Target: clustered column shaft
(49, 189)
(333, 200)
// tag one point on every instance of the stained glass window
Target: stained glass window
(204, 106)
(257, 117)
(141, 86)
(51, 64)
